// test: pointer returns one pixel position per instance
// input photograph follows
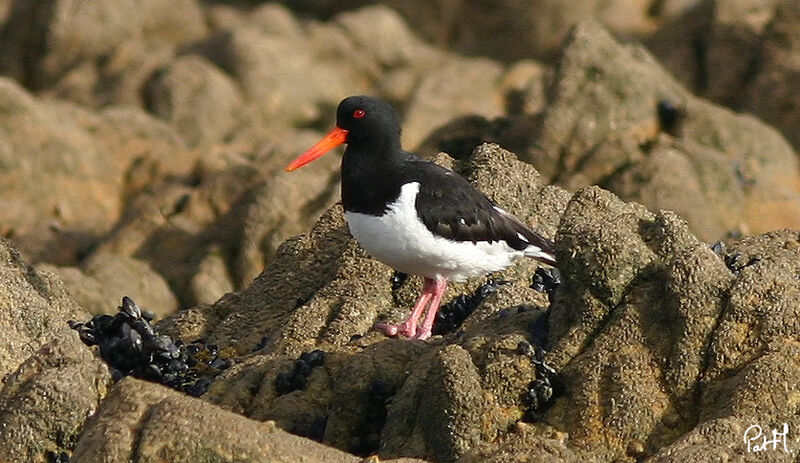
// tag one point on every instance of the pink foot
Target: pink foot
(432, 292)
(404, 329)
(421, 335)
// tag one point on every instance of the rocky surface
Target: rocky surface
(768, 94)
(738, 53)
(51, 382)
(56, 160)
(618, 114)
(159, 424)
(142, 148)
(656, 346)
(511, 29)
(97, 285)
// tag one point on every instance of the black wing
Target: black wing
(451, 207)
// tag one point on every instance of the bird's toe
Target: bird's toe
(421, 335)
(402, 329)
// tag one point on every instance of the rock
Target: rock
(512, 29)
(274, 18)
(159, 423)
(128, 276)
(314, 304)
(115, 45)
(528, 442)
(26, 318)
(63, 170)
(450, 404)
(601, 126)
(212, 279)
(672, 8)
(236, 208)
(51, 383)
(286, 94)
(713, 47)
(170, 22)
(47, 401)
(280, 206)
(523, 85)
(606, 272)
(644, 308)
(640, 355)
(752, 357)
(5, 9)
(87, 291)
(42, 199)
(518, 187)
(312, 296)
(198, 99)
(455, 88)
(382, 34)
(769, 95)
(143, 144)
(655, 346)
(105, 278)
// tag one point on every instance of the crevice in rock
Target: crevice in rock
(725, 296)
(137, 432)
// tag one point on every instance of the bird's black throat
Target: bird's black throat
(372, 178)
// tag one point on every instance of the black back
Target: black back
(451, 207)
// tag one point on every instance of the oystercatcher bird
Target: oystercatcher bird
(416, 216)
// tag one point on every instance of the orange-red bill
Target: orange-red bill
(334, 138)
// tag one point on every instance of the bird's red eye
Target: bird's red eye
(359, 114)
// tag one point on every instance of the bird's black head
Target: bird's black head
(366, 124)
(369, 121)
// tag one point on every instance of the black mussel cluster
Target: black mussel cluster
(453, 314)
(398, 278)
(541, 390)
(379, 395)
(735, 261)
(57, 457)
(546, 280)
(297, 379)
(130, 346)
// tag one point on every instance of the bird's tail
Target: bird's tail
(547, 256)
(530, 242)
(541, 249)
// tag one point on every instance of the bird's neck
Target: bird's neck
(371, 177)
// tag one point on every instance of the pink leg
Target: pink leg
(440, 286)
(409, 327)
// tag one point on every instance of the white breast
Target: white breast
(400, 239)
